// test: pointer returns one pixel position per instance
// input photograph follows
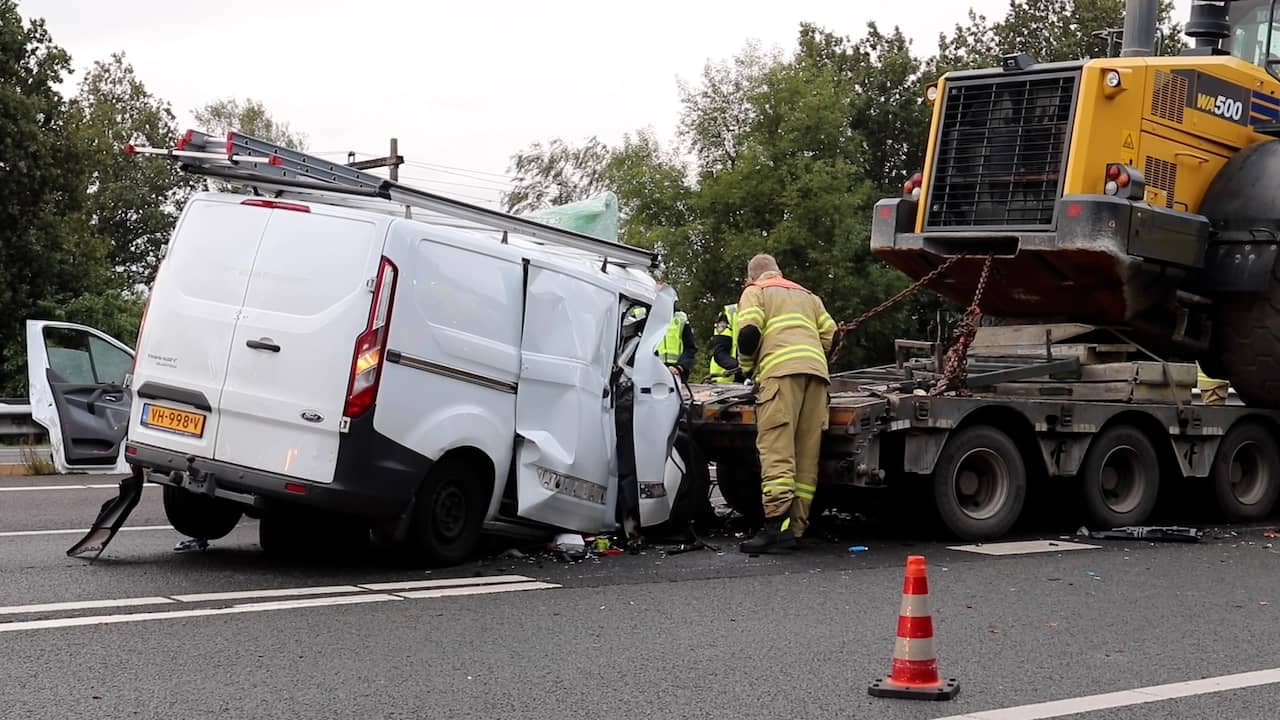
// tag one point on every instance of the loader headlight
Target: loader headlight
(1112, 79)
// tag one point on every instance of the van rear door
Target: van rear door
(307, 301)
(191, 317)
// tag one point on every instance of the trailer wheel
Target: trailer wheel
(980, 483)
(739, 484)
(1246, 472)
(199, 516)
(448, 515)
(1120, 478)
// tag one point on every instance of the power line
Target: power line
(434, 166)
(457, 184)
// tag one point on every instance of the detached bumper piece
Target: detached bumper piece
(110, 518)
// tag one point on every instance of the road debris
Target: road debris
(1271, 533)
(1154, 534)
(192, 544)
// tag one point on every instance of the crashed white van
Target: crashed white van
(431, 378)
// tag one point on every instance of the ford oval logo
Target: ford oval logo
(312, 416)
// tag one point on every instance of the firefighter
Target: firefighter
(724, 347)
(677, 348)
(784, 335)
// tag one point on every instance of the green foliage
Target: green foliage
(134, 203)
(45, 255)
(555, 174)
(82, 225)
(250, 117)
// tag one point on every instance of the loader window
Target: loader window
(1251, 27)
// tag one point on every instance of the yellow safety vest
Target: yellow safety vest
(730, 312)
(672, 345)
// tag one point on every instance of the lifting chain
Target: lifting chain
(843, 330)
(955, 374)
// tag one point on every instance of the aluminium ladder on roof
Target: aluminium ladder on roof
(250, 161)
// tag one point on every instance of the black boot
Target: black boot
(775, 536)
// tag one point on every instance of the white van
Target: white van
(433, 380)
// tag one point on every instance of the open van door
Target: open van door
(76, 377)
(564, 420)
(656, 409)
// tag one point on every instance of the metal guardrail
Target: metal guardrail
(15, 419)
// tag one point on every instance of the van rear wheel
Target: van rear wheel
(199, 516)
(448, 515)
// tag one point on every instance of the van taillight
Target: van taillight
(142, 324)
(371, 346)
(277, 205)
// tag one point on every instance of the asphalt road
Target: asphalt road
(653, 635)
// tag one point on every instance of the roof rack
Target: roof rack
(247, 160)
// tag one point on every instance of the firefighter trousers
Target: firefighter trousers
(791, 413)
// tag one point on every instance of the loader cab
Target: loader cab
(1255, 33)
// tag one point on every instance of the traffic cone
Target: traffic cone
(915, 661)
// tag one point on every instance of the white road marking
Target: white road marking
(83, 605)
(1024, 548)
(1125, 698)
(279, 592)
(174, 614)
(445, 587)
(38, 488)
(456, 591)
(78, 531)
(446, 582)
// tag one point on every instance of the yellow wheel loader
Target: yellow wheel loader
(1138, 192)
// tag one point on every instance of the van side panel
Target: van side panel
(182, 361)
(290, 359)
(454, 348)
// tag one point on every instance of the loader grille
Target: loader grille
(1001, 152)
(1162, 175)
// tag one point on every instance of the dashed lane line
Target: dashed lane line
(78, 531)
(340, 595)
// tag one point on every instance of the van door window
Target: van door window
(83, 359)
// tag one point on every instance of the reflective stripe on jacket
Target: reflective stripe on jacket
(796, 330)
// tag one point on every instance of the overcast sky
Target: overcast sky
(463, 85)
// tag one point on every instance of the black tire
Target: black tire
(1245, 340)
(199, 516)
(1248, 347)
(1246, 473)
(288, 531)
(1120, 478)
(979, 483)
(448, 515)
(692, 503)
(738, 480)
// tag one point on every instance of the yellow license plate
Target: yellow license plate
(178, 421)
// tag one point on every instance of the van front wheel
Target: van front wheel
(448, 515)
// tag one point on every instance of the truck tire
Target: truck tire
(1245, 336)
(1248, 347)
(1246, 472)
(448, 515)
(199, 516)
(739, 483)
(1120, 478)
(979, 483)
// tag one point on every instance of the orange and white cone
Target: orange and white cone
(915, 661)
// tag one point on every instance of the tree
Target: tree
(134, 202)
(556, 173)
(249, 117)
(47, 259)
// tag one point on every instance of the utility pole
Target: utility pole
(393, 160)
